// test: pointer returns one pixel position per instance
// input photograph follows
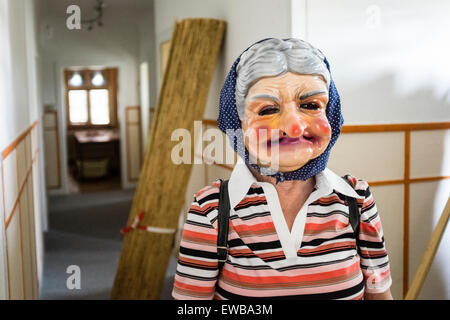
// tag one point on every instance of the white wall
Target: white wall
(116, 44)
(5, 101)
(147, 63)
(390, 64)
(17, 119)
(389, 60)
(19, 101)
(3, 257)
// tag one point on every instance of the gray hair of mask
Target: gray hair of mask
(274, 57)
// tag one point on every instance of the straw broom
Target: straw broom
(160, 192)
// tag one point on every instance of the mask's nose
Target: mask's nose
(292, 123)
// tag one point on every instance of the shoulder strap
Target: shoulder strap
(354, 215)
(222, 223)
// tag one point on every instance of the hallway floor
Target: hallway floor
(85, 231)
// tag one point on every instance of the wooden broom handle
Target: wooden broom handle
(428, 256)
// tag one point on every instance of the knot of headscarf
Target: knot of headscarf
(230, 124)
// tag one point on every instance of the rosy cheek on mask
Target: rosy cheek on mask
(322, 127)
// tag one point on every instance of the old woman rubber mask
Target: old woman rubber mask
(282, 96)
(285, 123)
(306, 70)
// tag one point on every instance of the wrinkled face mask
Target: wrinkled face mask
(288, 123)
(285, 124)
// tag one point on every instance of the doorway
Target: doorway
(93, 139)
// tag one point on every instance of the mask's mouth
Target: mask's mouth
(287, 141)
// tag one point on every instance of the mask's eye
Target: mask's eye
(310, 106)
(268, 110)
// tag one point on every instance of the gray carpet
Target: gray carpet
(85, 231)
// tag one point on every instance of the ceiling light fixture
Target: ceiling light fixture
(99, 7)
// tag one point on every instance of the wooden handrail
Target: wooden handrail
(12, 146)
(429, 254)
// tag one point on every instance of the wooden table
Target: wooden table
(96, 144)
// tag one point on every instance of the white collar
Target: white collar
(241, 180)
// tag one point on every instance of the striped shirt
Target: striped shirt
(317, 259)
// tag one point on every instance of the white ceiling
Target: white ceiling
(113, 7)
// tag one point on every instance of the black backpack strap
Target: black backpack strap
(222, 224)
(354, 215)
